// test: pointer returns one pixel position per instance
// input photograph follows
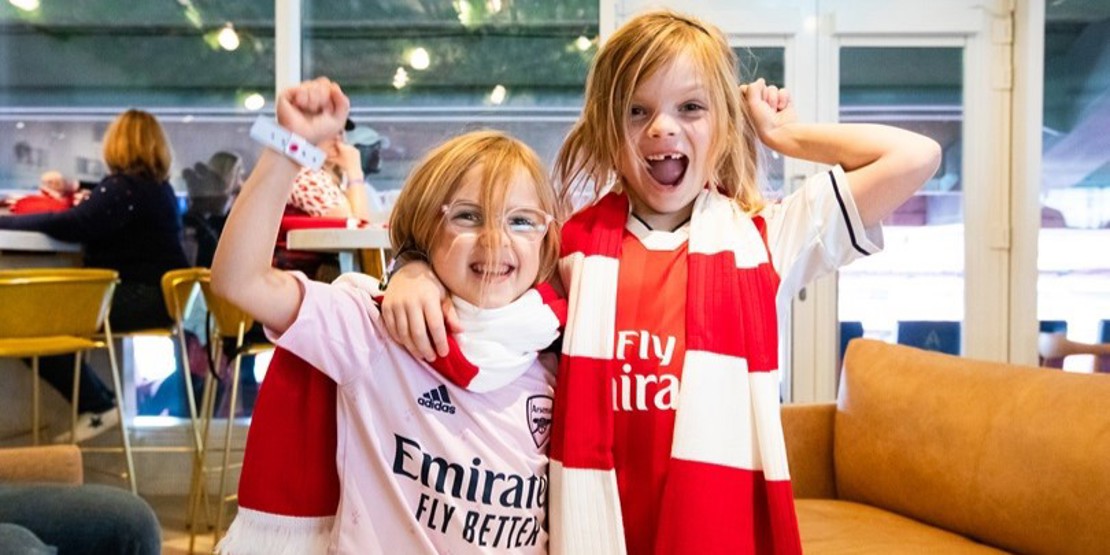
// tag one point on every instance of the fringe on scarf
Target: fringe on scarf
(255, 532)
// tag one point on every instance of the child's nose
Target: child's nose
(494, 236)
(663, 125)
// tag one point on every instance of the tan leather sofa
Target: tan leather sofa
(930, 453)
(58, 464)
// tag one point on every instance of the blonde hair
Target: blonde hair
(641, 47)
(135, 145)
(416, 221)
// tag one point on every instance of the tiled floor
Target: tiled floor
(175, 537)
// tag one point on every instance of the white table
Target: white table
(34, 241)
(345, 242)
(31, 249)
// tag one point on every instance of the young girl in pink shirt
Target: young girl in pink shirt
(448, 457)
(667, 436)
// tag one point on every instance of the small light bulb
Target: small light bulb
(401, 78)
(419, 59)
(497, 95)
(583, 43)
(25, 5)
(463, 9)
(254, 102)
(228, 38)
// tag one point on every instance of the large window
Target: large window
(66, 68)
(914, 292)
(1073, 293)
(418, 73)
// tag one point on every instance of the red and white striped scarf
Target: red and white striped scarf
(289, 487)
(728, 486)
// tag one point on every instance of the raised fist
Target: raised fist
(315, 110)
(770, 107)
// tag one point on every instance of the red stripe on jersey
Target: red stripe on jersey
(590, 416)
(711, 508)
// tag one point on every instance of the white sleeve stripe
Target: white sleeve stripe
(844, 213)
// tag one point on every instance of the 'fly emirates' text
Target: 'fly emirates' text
(502, 494)
(636, 392)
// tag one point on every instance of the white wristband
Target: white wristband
(296, 147)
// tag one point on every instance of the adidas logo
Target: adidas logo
(437, 399)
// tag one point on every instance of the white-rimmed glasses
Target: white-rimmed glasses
(462, 217)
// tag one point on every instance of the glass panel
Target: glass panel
(768, 63)
(67, 68)
(913, 292)
(1073, 290)
(204, 69)
(418, 73)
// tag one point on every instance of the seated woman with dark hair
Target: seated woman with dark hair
(130, 223)
(211, 186)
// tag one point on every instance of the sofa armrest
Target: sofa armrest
(808, 429)
(54, 464)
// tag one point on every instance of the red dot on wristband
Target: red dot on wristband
(293, 147)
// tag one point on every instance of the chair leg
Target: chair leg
(73, 410)
(199, 486)
(190, 398)
(117, 384)
(227, 444)
(35, 402)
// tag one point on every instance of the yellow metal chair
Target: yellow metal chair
(57, 311)
(228, 322)
(180, 289)
(373, 262)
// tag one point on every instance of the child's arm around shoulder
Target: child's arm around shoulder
(885, 165)
(241, 270)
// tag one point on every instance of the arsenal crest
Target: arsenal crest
(539, 409)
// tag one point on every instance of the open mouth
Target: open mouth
(667, 169)
(492, 271)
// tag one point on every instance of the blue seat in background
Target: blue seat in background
(940, 336)
(1103, 362)
(1053, 326)
(848, 331)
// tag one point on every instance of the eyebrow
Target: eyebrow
(687, 92)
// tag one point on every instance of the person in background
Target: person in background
(337, 190)
(130, 224)
(56, 194)
(211, 186)
(53, 518)
(370, 144)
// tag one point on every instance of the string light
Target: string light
(25, 5)
(228, 38)
(583, 43)
(419, 59)
(401, 78)
(254, 102)
(497, 95)
(465, 12)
